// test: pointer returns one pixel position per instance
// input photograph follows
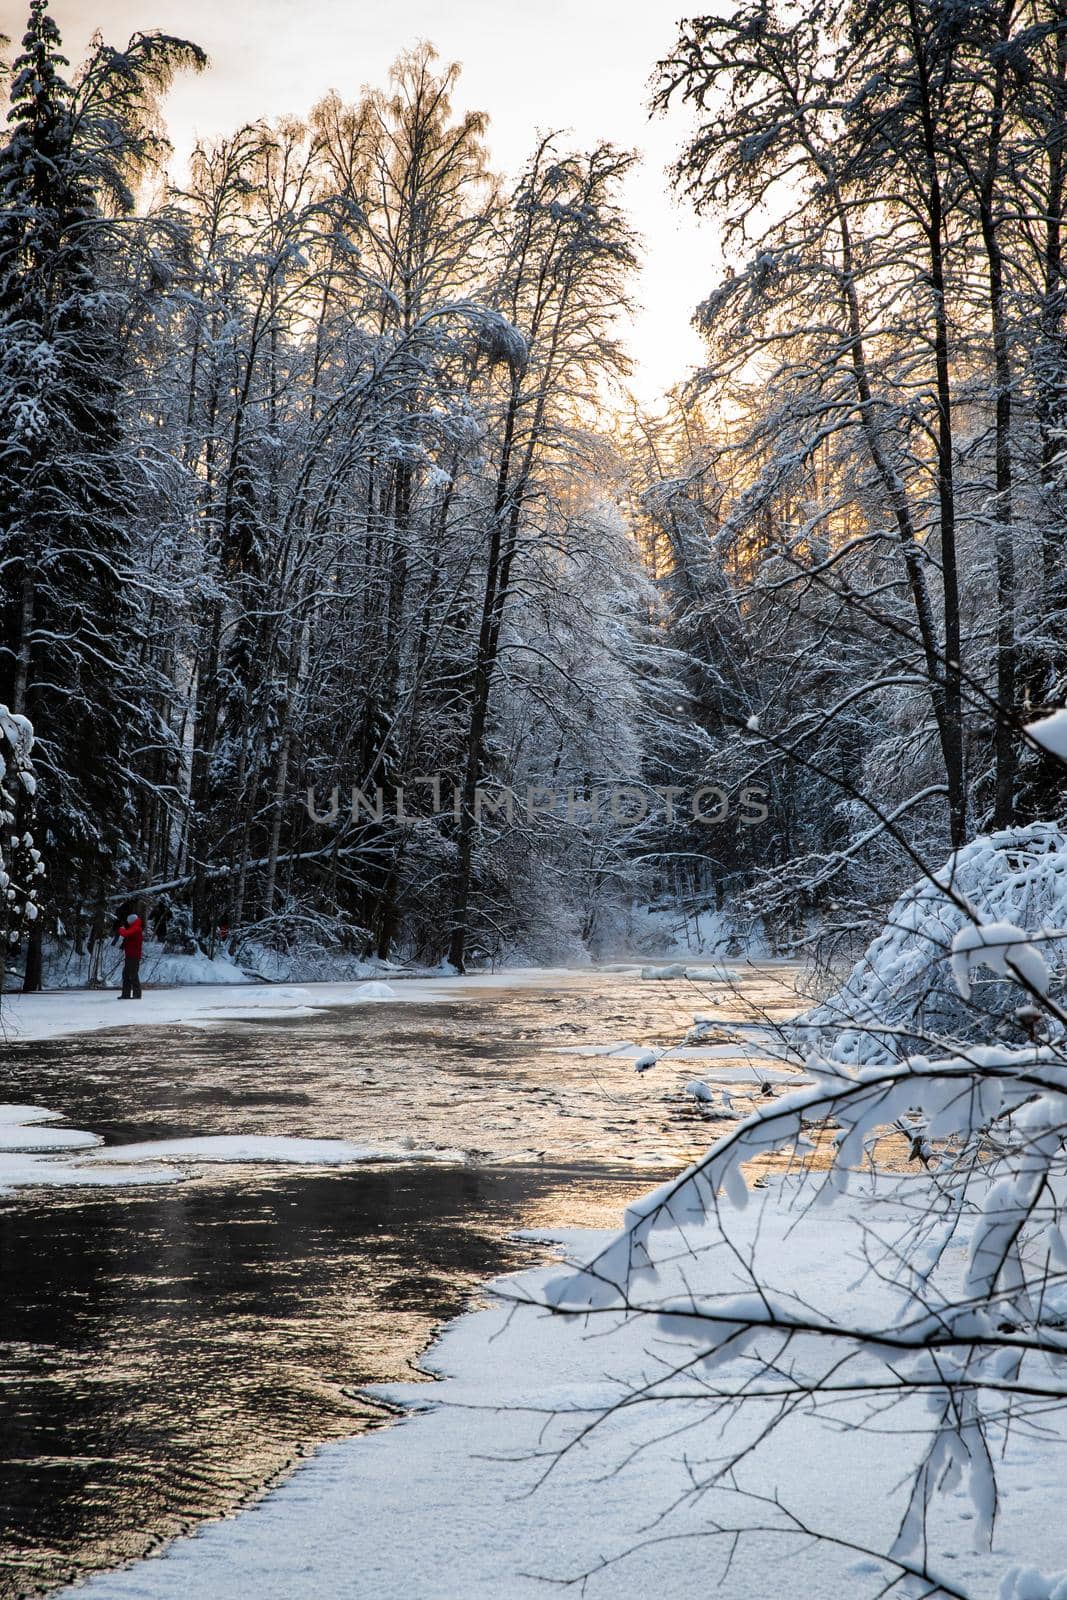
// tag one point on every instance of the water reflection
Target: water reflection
(166, 1351)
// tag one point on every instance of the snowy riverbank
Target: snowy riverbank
(497, 1483)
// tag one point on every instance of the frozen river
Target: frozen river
(168, 1350)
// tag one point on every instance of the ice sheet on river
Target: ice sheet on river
(265, 1147)
(29, 1153)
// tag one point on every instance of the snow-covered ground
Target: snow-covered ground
(56, 1012)
(68, 968)
(53, 1014)
(662, 936)
(510, 1474)
(679, 932)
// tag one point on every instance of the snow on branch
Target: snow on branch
(20, 860)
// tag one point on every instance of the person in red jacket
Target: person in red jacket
(131, 933)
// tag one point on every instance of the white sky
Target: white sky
(531, 64)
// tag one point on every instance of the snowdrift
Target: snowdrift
(310, 962)
(68, 968)
(902, 990)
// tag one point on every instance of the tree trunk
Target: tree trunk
(898, 500)
(1053, 388)
(280, 781)
(485, 661)
(1004, 735)
(946, 490)
(33, 977)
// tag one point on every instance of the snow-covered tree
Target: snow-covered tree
(21, 866)
(876, 1255)
(875, 419)
(69, 478)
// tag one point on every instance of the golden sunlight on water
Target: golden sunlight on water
(167, 1351)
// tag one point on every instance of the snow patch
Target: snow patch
(254, 1147)
(1027, 1583)
(29, 1153)
(374, 991)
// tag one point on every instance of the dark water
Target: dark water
(165, 1351)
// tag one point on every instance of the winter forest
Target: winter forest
(365, 616)
(320, 472)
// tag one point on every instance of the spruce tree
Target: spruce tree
(69, 606)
